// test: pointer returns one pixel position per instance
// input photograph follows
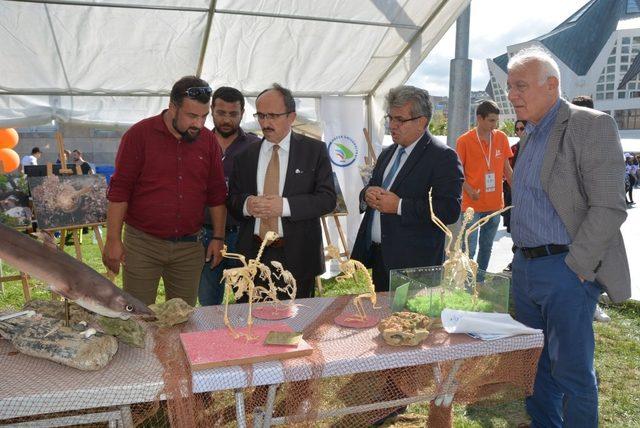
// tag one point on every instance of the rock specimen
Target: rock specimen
(172, 312)
(128, 331)
(48, 338)
(405, 328)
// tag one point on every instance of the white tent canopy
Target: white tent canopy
(106, 63)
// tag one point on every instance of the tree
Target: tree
(509, 128)
(438, 124)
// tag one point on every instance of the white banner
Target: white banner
(343, 120)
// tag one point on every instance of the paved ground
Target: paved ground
(501, 255)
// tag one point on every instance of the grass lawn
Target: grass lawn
(617, 359)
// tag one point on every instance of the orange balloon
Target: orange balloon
(9, 161)
(8, 138)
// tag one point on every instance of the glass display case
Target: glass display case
(427, 290)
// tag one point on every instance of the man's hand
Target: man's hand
(272, 206)
(252, 205)
(267, 206)
(113, 255)
(387, 202)
(474, 194)
(372, 194)
(213, 252)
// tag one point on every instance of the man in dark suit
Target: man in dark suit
(397, 231)
(283, 184)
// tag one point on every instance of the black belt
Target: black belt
(231, 229)
(278, 243)
(544, 250)
(187, 238)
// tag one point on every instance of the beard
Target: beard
(227, 134)
(186, 136)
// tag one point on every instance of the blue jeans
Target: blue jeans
(550, 296)
(210, 290)
(487, 233)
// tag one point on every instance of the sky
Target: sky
(495, 24)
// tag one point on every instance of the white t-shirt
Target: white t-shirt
(29, 160)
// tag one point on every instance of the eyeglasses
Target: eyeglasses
(270, 116)
(198, 91)
(519, 87)
(391, 119)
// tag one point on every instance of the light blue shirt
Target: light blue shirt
(376, 230)
(534, 221)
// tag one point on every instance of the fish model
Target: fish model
(67, 276)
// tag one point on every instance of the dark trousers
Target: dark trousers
(305, 285)
(380, 272)
(550, 296)
(211, 290)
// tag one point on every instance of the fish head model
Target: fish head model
(67, 276)
(122, 306)
(103, 297)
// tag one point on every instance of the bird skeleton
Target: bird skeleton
(460, 270)
(270, 294)
(242, 279)
(349, 268)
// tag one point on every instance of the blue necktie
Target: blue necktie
(394, 169)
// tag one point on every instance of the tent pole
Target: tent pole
(205, 37)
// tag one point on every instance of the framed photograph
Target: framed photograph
(14, 201)
(61, 202)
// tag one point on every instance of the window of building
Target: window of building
(622, 95)
(627, 119)
(624, 49)
(611, 60)
(626, 40)
(624, 67)
(624, 58)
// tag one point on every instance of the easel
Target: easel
(76, 230)
(372, 158)
(327, 236)
(21, 276)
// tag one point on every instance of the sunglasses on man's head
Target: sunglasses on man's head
(198, 91)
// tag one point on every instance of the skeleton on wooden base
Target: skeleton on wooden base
(242, 279)
(349, 268)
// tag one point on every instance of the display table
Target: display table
(32, 386)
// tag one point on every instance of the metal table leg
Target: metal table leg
(240, 415)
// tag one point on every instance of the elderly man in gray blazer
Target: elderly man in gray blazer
(568, 197)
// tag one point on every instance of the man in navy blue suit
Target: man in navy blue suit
(397, 231)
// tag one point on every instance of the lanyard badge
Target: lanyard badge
(489, 176)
